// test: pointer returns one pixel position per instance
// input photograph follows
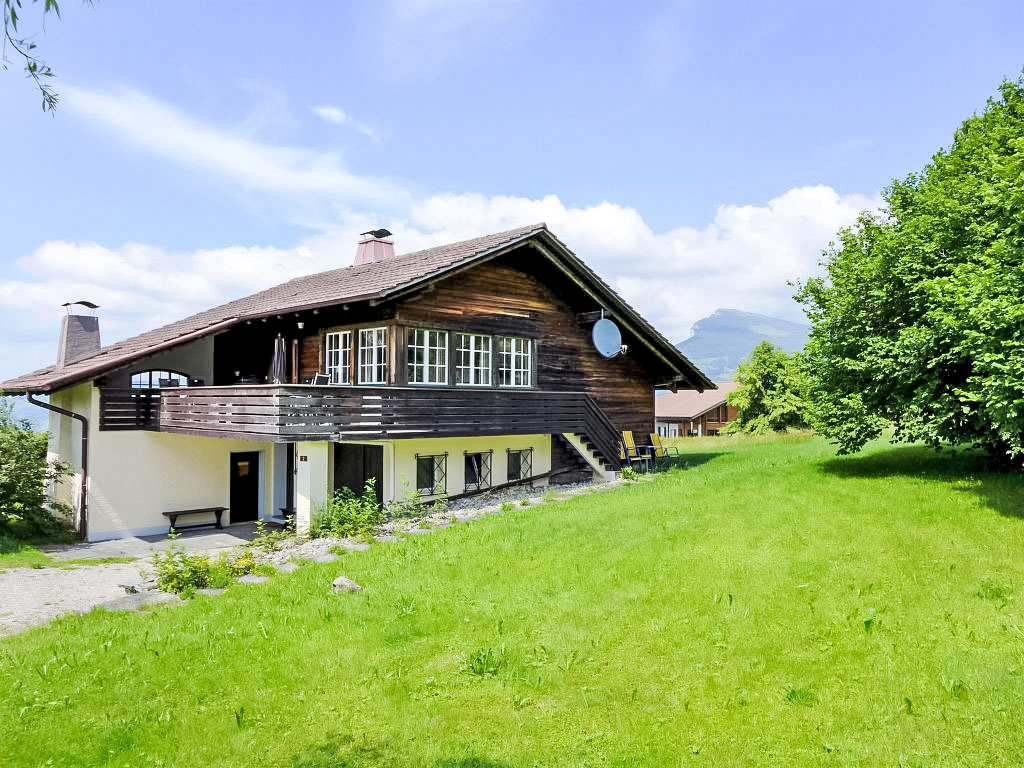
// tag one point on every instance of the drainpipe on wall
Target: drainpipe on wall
(83, 520)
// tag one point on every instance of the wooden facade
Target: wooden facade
(520, 293)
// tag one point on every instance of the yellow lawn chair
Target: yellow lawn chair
(630, 454)
(664, 457)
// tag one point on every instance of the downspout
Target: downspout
(83, 525)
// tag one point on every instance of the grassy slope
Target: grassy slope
(769, 605)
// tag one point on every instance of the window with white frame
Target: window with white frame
(373, 356)
(338, 357)
(154, 379)
(472, 359)
(428, 356)
(515, 361)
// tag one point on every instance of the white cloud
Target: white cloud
(239, 159)
(340, 117)
(744, 258)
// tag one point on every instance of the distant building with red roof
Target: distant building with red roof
(689, 413)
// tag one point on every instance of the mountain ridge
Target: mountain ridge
(726, 336)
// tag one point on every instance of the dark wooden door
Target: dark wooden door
(355, 464)
(245, 486)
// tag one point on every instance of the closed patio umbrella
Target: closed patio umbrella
(277, 363)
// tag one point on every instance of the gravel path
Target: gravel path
(30, 596)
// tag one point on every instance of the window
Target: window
(472, 359)
(339, 357)
(154, 379)
(428, 356)
(478, 470)
(431, 474)
(514, 361)
(373, 356)
(520, 464)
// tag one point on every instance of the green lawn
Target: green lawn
(769, 605)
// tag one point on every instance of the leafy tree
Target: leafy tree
(36, 68)
(771, 392)
(919, 320)
(25, 511)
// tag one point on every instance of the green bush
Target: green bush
(179, 571)
(25, 511)
(346, 514)
(416, 506)
(184, 572)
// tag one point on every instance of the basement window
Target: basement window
(520, 464)
(431, 474)
(478, 470)
(428, 356)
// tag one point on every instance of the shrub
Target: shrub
(346, 514)
(179, 571)
(184, 572)
(25, 511)
(416, 506)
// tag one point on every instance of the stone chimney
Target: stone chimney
(79, 336)
(375, 246)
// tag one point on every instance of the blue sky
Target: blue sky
(697, 155)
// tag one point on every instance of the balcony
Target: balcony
(301, 413)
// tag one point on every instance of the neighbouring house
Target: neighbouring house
(692, 413)
(446, 371)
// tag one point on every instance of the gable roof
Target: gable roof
(690, 404)
(379, 280)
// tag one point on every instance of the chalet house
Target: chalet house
(693, 413)
(449, 370)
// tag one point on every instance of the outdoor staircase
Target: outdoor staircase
(603, 469)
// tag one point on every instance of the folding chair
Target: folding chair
(630, 454)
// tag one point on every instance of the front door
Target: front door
(245, 486)
(355, 464)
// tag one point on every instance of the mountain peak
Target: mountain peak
(726, 336)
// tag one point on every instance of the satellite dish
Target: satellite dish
(607, 337)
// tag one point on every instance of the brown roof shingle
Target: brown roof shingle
(689, 404)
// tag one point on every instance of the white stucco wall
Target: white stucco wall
(404, 459)
(135, 476)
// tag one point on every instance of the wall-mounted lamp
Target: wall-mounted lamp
(300, 325)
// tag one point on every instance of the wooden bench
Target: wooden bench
(175, 514)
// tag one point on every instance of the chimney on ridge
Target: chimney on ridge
(79, 335)
(374, 247)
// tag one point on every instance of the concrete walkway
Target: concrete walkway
(204, 540)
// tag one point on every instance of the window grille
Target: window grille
(373, 356)
(154, 379)
(431, 474)
(472, 359)
(478, 470)
(520, 464)
(428, 356)
(338, 357)
(515, 361)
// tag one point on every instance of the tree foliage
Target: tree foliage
(25, 48)
(25, 510)
(771, 393)
(919, 320)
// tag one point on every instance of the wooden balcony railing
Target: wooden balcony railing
(293, 413)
